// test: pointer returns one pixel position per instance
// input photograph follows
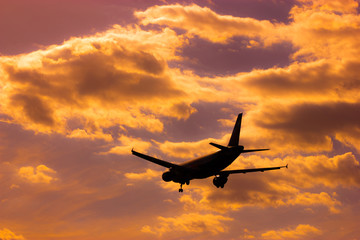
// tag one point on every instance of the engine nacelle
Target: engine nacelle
(167, 176)
(220, 181)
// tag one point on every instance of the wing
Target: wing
(228, 172)
(254, 150)
(155, 160)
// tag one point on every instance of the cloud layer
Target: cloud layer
(70, 114)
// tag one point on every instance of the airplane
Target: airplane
(209, 165)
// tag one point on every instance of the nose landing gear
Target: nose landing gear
(187, 182)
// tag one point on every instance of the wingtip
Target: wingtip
(286, 165)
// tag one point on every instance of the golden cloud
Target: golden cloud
(318, 29)
(187, 149)
(148, 175)
(6, 234)
(203, 22)
(311, 171)
(301, 231)
(127, 143)
(308, 127)
(90, 83)
(121, 78)
(296, 186)
(190, 223)
(325, 29)
(40, 174)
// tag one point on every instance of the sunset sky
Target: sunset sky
(83, 82)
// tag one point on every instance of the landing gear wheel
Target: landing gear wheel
(181, 190)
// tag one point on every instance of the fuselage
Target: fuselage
(205, 166)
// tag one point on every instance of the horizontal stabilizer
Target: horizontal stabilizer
(218, 146)
(254, 150)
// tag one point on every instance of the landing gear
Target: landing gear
(181, 190)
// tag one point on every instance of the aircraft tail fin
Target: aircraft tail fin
(234, 139)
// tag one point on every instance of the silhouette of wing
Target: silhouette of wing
(228, 172)
(253, 150)
(156, 160)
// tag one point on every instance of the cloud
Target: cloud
(190, 223)
(332, 26)
(300, 81)
(297, 186)
(318, 28)
(314, 200)
(187, 149)
(127, 143)
(258, 194)
(203, 22)
(83, 134)
(148, 175)
(121, 88)
(40, 174)
(311, 125)
(6, 234)
(342, 170)
(89, 83)
(301, 231)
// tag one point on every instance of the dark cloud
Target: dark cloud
(97, 75)
(269, 10)
(312, 122)
(314, 79)
(34, 108)
(107, 75)
(203, 57)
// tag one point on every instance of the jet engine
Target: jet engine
(220, 181)
(167, 176)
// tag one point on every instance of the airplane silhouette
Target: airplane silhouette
(209, 165)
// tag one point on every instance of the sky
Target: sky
(83, 82)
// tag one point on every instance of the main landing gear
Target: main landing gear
(187, 183)
(180, 189)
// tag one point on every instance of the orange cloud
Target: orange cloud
(190, 223)
(122, 78)
(6, 234)
(296, 186)
(203, 22)
(40, 174)
(314, 200)
(148, 175)
(127, 143)
(319, 28)
(83, 134)
(301, 231)
(259, 194)
(309, 126)
(345, 6)
(87, 84)
(187, 150)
